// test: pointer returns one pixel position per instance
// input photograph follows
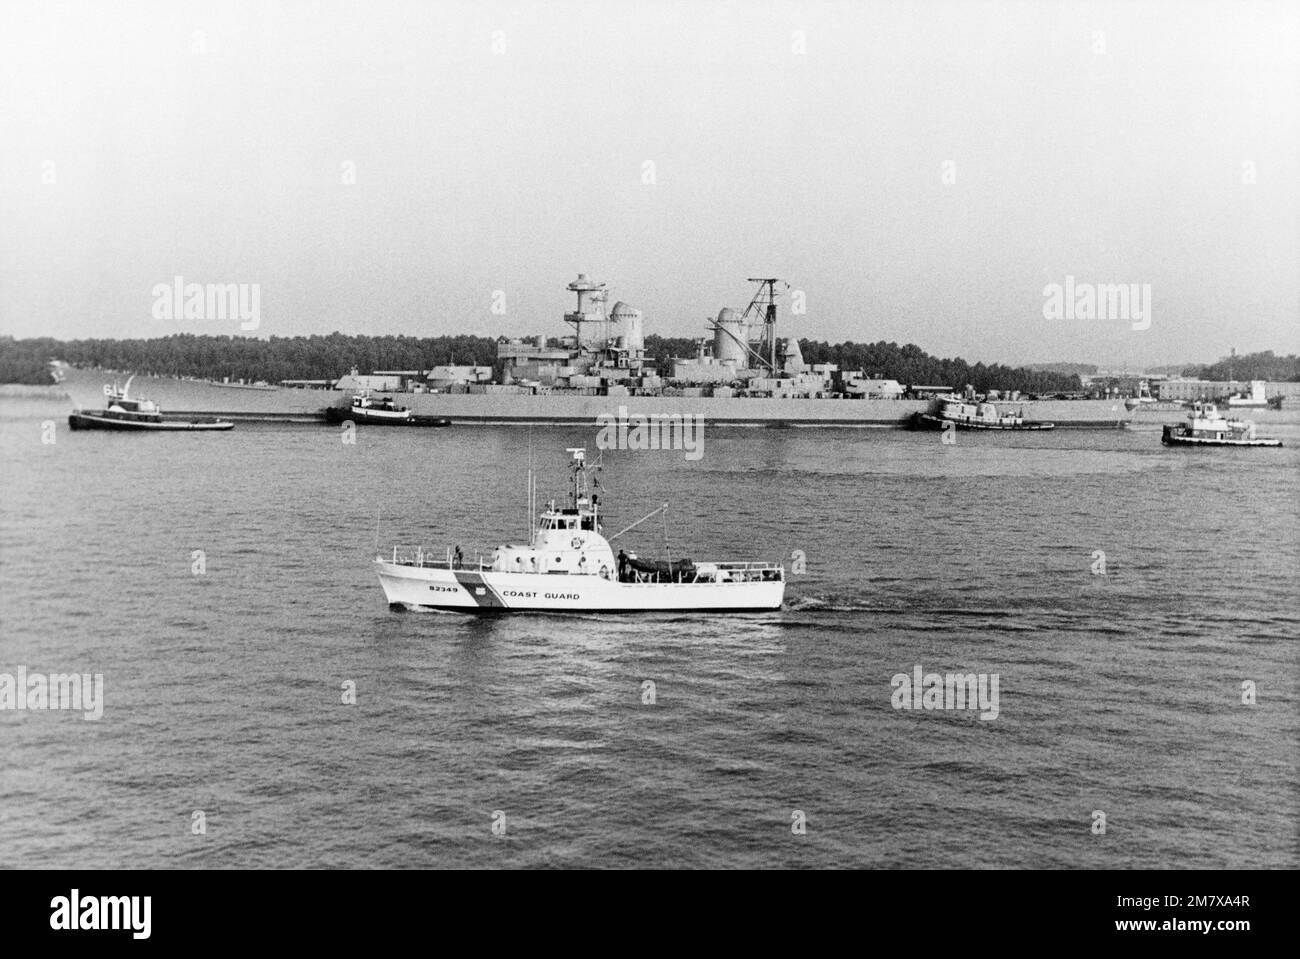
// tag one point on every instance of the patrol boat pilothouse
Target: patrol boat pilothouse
(569, 566)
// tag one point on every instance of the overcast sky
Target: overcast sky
(919, 171)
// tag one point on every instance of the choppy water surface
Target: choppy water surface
(1119, 692)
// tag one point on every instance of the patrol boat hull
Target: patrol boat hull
(489, 592)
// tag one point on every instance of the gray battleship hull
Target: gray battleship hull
(201, 397)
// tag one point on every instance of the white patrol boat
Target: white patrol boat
(1206, 426)
(569, 566)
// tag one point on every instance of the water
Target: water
(1119, 693)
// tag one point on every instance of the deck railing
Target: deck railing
(427, 557)
(434, 558)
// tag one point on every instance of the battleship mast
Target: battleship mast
(591, 308)
(764, 304)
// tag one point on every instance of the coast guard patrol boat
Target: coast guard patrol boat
(569, 566)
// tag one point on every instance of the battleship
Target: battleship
(743, 374)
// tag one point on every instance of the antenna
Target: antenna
(579, 474)
(764, 302)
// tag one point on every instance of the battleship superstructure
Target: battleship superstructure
(743, 357)
(606, 350)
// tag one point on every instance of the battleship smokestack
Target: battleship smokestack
(627, 326)
(729, 343)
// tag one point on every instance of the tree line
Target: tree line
(912, 366)
(1249, 366)
(217, 357)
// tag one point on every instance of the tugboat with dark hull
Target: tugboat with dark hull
(381, 411)
(122, 413)
(969, 415)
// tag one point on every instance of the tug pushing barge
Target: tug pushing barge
(743, 374)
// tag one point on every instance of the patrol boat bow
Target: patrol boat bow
(569, 566)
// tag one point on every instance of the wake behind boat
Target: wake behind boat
(569, 566)
(125, 414)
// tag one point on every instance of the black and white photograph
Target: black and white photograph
(601, 435)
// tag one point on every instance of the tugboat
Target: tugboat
(1206, 426)
(970, 415)
(1257, 397)
(569, 566)
(366, 409)
(1143, 398)
(123, 413)
(379, 412)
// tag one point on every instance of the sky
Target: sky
(916, 171)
